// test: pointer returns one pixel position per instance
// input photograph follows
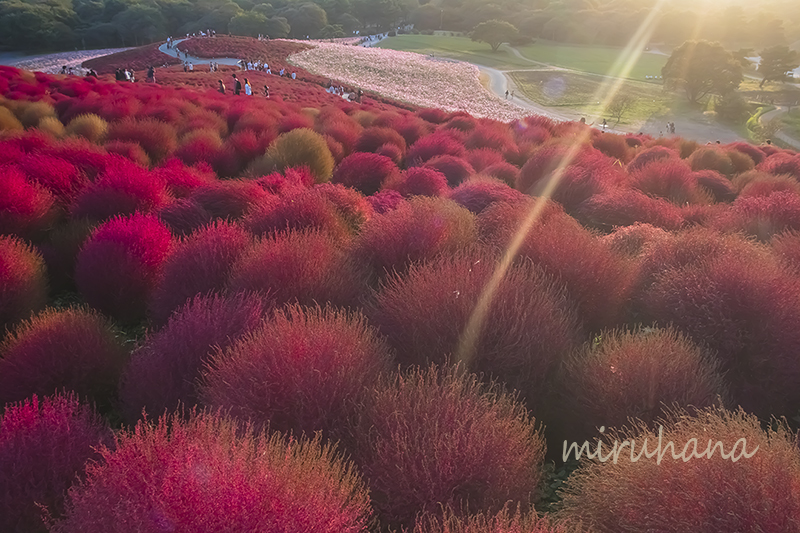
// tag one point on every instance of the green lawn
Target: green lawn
(592, 59)
(580, 91)
(461, 48)
(791, 123)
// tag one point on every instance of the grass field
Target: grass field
(791, 123)
(580, 91)
(595, 60)
(461, 48)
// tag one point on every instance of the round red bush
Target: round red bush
(371, 139)
(306, 267)
(631, 240)
(297, 210)
(502, 522)
(61, 178)
(418, 229)
(183, 216)
(720, 187)
(198, 264)
(72, 349)
(208, 475)
(230, 199)
(632, 374)
(483, 157)
(44, 446)
(23, 280)
(299, 372)
(619, 207)
(649, 155)
(157, 138)
(700, 495)
(478, 193)
(365, 172)
(439, 143)
(754, 152)
(505, 172)
(164, 371)
(711, 158)
(418, 181)
(781, 163)
(759, 183)
(670, 179)
(132, 151)
(454, 168)
(762, 216)
(120, 264)
(26, 208)
(437, 439)
(384, 201)
(444, 311)
(180, 179)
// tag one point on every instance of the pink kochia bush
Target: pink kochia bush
(299, 372)
(364, 171)
(480, 192)
(120, 265)
(45, 445)
(210, 475)
(436, 440)
(198, 264)
(419, 229)
(744, 305)
(26, 209)
(637, 374)
(762, 216)
(23, 281)
(444, 310)
(73, 349)
(759, 492)
(502, 522)
(163, 372)
(418, 181)
(306, 267)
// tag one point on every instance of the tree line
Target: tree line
(67, 24)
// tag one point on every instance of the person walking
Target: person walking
(506, 94)
(151, 74)
(221, 87)
(248, 90)
(266, 91)
(605, 124)
(237, 86)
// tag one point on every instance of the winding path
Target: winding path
(173, 52)
(781, 136)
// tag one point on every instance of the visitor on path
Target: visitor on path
(605, 124)
(583, 120)
(506, 94)
(237, 86)
(221, 87)
(294, 75)
(512, 95)
(151, 74)
(248, 90)
(266, 91)
(191, 67)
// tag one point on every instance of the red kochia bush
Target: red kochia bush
(163, 372)
(26, 208)
(759, 183)
(754, 152)
(637, 374)
(384, 201)
(781, 163)
(700, 495)
(598, 281)
(715, 183)
(130, 150)
(299, 372)
(439, 438)
(649, 155)
(61, 178)
(208, 475)
(744, 306)
(444, 310)
(157, 138)
(364, 171)
(787, 247)
(712, 158)
(371, 139)
(620, 207)
(120, 265)
(182, 180)
(184, 216)
(44, 446)
(454, 168)
(480, 192)
(502, 522)
(297, 210)
(631, 240)
(483, 157)
(306, 267)
(671, 179)
(122, 189)
(418, 181)
(439, 143)
(198, 264)
(23, 280)
(762, 216)
(418, 229)
(229, 199)
(73, 349)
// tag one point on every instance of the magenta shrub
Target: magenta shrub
(503, 522)
(756, 154)
(454, 168)
(44, 447)
(26, 209)
(438, 143)
(650, 155)
(181, 180)
(759, 183)
(787, 246)
(229, 199)
(481, 158)
(700, 495)
(183, 216)
(632, 240)
(157, 138)
(418, 229)
(443, 311)
(720, 188)
(365, 172)
(436, 440)
(163, 372)
(712, 158)
(632, 374)
(353, 206)
(297, 210)
(306, 267)
(762, 216)
(620, 207)
(130, 151)
(61, 178)
(479, 192)
(781, 163)
(198, 264)
(120, 265)
(209, 475)
(418, 181)
(384, 201)
(23, 280)
(371, 139)
(505, 172)
(670, 179)
(299, 372)
(72, 349)
(121, 189)
(613, 146)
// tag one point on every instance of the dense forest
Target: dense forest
(68, 24)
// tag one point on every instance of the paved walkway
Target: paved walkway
(781, 136)
(196, 60)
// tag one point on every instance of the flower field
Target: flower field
(52, 63)
(408, 77)
(301, 314)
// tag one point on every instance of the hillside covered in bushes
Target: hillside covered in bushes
(306, 314)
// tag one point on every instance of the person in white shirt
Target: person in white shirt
(191, 67)
(248, 90)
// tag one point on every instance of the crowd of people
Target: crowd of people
(238, 87)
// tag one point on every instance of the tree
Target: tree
(248, 24)
(305, 19)
(332, 31)
(776, 62)
(702, 68)
(494, 33)
(277, 27)
(620, 105)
